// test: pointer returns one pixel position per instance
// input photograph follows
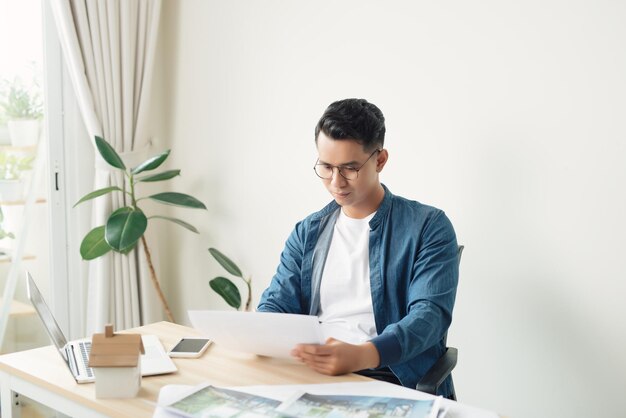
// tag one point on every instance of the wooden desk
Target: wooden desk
(41, 375)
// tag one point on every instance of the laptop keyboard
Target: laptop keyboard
(85, 348)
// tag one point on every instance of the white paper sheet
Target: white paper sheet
(268, 334)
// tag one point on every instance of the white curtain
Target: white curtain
(109, 48)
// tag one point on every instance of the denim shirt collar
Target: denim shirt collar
(383, 209)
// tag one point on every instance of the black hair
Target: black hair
(355, 119)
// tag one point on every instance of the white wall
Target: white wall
(508, 115)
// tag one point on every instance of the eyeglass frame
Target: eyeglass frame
(339, 168)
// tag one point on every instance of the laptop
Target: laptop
(76, 353)
(264, 333)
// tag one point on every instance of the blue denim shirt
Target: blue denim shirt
(413, 278)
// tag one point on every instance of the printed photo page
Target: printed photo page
(211, 401)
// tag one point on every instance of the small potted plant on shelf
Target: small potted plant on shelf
(12, 168)
(23, 110)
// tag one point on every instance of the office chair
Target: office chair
(442, 368)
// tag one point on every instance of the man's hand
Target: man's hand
(336, 357)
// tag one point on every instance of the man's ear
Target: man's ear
(381, 160)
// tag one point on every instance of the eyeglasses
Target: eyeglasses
(325, 171)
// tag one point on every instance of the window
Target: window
(24, 220)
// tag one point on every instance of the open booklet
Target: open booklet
(208, 401)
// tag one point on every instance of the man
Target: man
(379, 269)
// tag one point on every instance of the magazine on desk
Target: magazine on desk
(208, 401)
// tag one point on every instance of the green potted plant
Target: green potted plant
(12, 167)
(225, 287)
(23, 110)
(127, 225)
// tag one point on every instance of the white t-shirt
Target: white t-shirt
(345, 294)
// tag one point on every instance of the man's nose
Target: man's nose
(337, 179)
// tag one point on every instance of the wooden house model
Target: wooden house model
(116, 361)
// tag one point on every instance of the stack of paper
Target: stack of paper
(211, 401)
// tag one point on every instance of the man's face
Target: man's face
(361, 196)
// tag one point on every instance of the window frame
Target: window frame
(69, 158)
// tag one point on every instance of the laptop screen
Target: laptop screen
(45, 314)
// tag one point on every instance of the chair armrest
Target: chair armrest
(439, 372)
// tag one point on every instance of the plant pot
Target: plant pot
(24, 132)
(7, 248)
(5, 139)
(11, 190)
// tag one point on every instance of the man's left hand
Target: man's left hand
(337, 357)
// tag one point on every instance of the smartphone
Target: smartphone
(190, 347)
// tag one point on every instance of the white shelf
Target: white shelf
(6, 258)
(11, 148)
(20, 308)
(19, 202)
(15, 256)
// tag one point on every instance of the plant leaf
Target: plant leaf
(178, 199)
(108, 154)
(177, 221)
(94, 245)
(166, 175)
(151, 163)
(122, 209)
(226, 262)
(227, 290)
(97, 193)
(124, 228)
(128, 250)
